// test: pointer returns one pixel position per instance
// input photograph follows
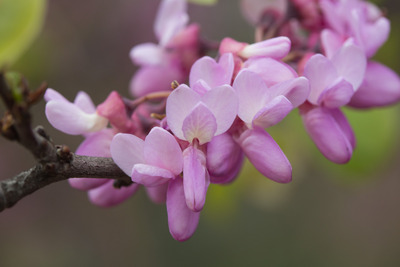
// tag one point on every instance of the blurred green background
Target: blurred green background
(330, 215)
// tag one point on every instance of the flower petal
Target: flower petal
(147, 54)
(200, 124)
(179, 104)
(339, 94)
(276, 48)
(195, 178)
(158, 194)
(149, 175)
(328, 134)
(126, 151)
(381, 87)
(295, 90)
(52, 94)
(266, 155)
(84, 102)
(107, 195)
(275, 111)
(182, 222)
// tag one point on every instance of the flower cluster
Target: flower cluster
(221, 115)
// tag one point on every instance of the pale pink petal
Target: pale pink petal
(182, 222)
(52, 94)
(84, 102)
(331, 42)
(126, 151)
(148, 54)
(108, 196)
(276, 48)
(350, 63)
(381, 87)
(212, 73)
(321, 73)
(376, 35)
(200, 87)
(295, 90)
(270, 70)
(70, 119)
(339, 94)
(328, 135)
(171, 18)
(200, 124)
(266, 155)
(158, 194)
(162, 150)
(275, 111)
(179, 104)
(195, 178)
(252, 93)
(222, 101)
(151, 79)
(149, 175)
(229, 45)
(224, 159)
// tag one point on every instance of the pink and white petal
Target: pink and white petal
(339, 94)
(158, 144)
(200, 124)
(200, 87)
(275, 111)
(266, 155)
(350, 63)
(70, 119)
(147, 54)
(179, 104)
(211, 72)
(381, 87)
(252, 93)
(331, 42)
(158, 194)
(295, 90)
(107, 195)
(321, 73)
(149, 175)
(270, 70)
(97, 144)
(171, 18)
(328, 135)
(195, 178)
(227, 62)
(52, 94)
(182, 222)
(126, 151)
(276, 48)
(223, 102)
(84, 102)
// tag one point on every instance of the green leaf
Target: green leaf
(20, 23)
(203, 2)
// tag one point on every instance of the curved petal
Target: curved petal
(70, 119)
(270, 70)
(328, 135)
(108, 196)
(339, 94)
(52, 94)
(171, 18)
(126, 151)
(350, 63)
(158, 194)
(84, 102)
(321, 73)
(149, 175)
(147, 54)
(223, 103)
(380, 30)
(179, 104)
(381, 87)
(331, 42)
(276, 48)
(158, 144)
(295, 90)
(275, 111)
(182, 222)
(200, 124)
(195, 178)
(266, 155)
(212, 73)
(252, 93)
